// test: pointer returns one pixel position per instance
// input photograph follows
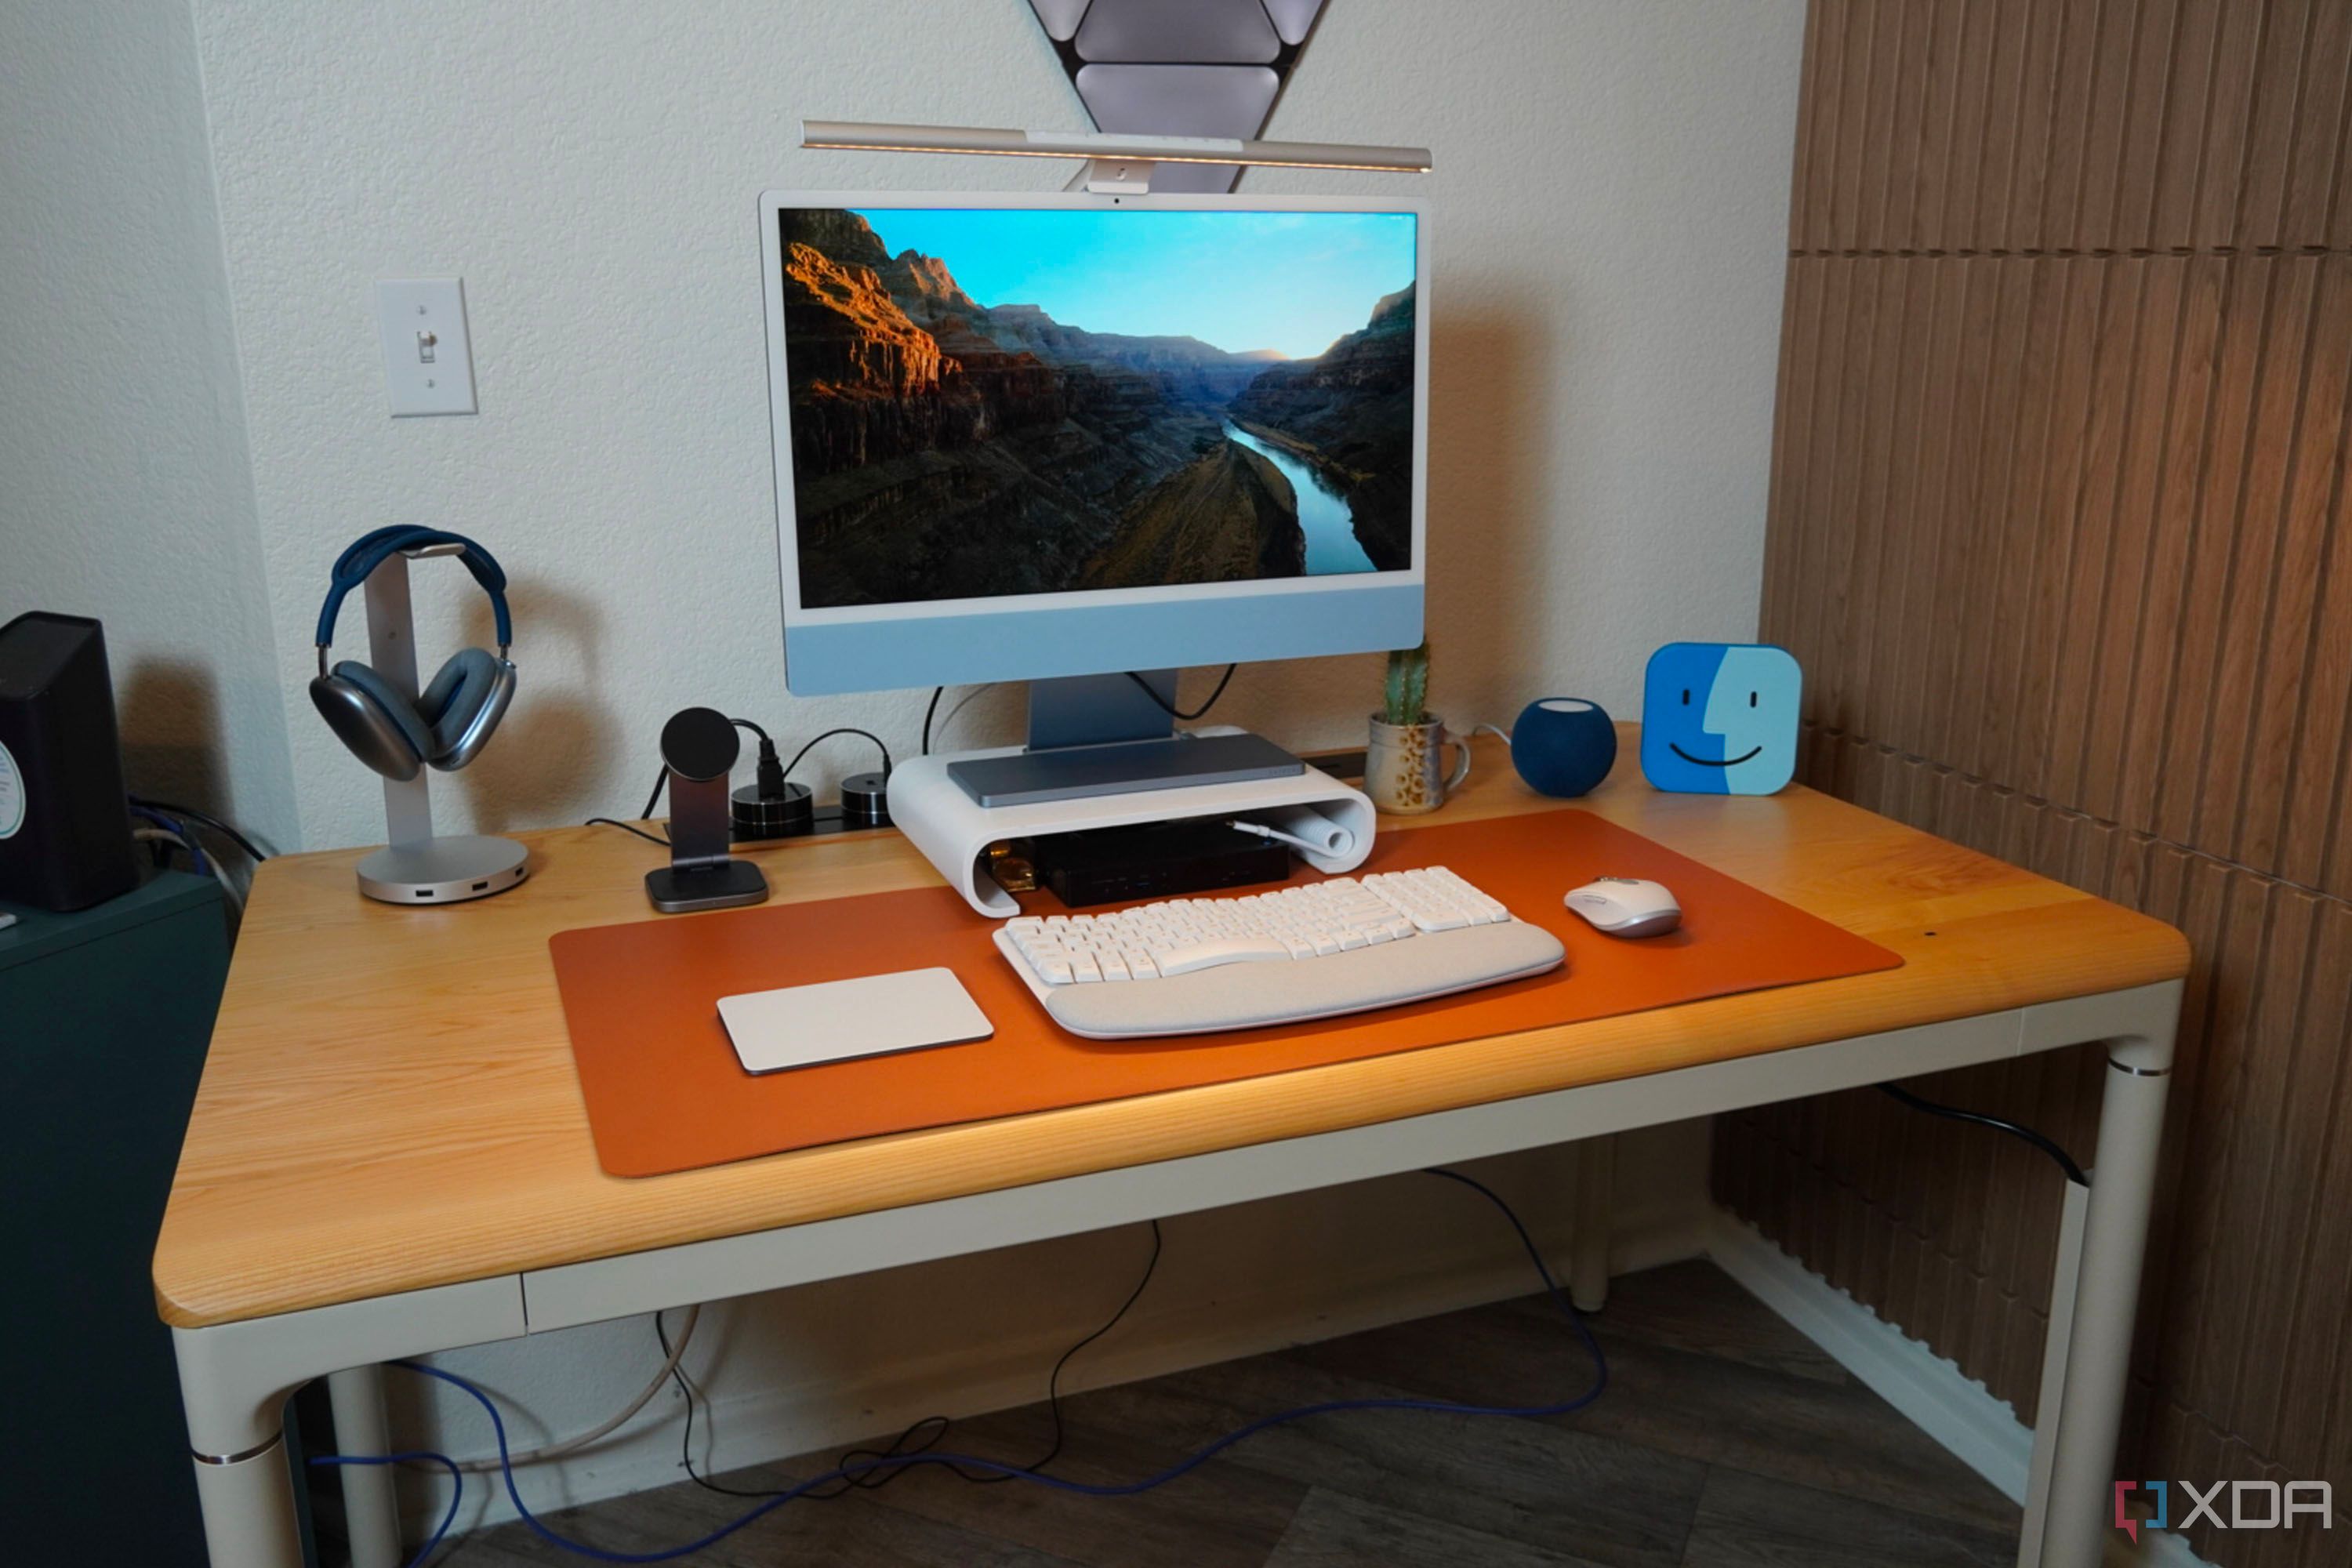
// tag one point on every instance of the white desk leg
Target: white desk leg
(1596, 1203)
(2068, 1269)
(370, 1502)
(234, 1378)
(2077, 1512)
(247, 1503)
(237, 1437)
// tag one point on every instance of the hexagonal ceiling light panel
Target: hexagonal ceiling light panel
(1179, 67)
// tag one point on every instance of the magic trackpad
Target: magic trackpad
(837, 1020)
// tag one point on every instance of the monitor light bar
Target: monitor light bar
(1121, 162)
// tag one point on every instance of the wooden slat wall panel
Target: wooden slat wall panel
(2101, 678)
(2040, 126)
(2062, 531)
(2180, 134)
(2070, 523)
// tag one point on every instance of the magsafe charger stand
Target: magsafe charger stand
(698, 746)
(417, 866)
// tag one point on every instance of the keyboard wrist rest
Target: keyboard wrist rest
(1250, 996)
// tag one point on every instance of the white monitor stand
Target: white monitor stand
(417, 866)
(939, 810)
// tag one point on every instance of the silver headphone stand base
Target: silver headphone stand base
(416, 866)
(442, 870)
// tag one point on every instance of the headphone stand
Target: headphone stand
(417, 866)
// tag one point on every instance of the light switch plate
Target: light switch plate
(428, 360)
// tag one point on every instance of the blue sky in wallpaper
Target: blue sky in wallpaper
(1240, 280)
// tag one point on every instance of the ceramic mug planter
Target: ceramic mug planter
(1400, 766)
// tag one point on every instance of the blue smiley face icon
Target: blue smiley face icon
(1720, 718)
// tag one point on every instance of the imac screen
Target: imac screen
(1035, 400)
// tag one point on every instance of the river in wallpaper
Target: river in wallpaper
(1323, 516)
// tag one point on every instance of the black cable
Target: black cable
(904, 1442)
(610, 822)
(1170, 709)
(215, 823)
(1053, 1383)
(767, 759)
(900, 1446)
(937, 693)
(2065, 1161)
(842, 730)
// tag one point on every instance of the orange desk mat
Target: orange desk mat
(666, 1093)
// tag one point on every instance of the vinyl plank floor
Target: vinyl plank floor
(1747, 1521)
(1521, 1480)
(1333, 1529)
(1699, 1405)
(1724, 1440)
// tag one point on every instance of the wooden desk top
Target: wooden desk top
(390, 1101)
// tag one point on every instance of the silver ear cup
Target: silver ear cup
(476, 732)
(366, 730)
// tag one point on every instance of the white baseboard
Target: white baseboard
(1932, 1392)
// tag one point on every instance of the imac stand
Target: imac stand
(1103, 734)
(1109, 762)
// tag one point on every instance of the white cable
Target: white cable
(212, 862)
(1263, 831)
(229, 887)
(570, 1445)
(1495, 729)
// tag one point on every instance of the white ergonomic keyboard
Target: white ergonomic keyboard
(1190, 967)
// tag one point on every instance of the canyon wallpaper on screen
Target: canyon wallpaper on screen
(945, 449)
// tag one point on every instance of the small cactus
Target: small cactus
(1407, 695)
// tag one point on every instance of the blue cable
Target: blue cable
(457, 1486)
(195, 851)
(1123, 1489)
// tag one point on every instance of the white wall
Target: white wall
(1611, 198)
(124, 492)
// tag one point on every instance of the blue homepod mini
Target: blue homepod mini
(1563, 745)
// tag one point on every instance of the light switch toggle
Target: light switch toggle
(428, 362)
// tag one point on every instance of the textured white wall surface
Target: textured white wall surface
(1610, 204)
(124, 492)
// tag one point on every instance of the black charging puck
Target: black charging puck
(866, 800)
(773, 817)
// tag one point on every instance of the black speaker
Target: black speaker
(65, 830)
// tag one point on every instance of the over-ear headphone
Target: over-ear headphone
(450, 722)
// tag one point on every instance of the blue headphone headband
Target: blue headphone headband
(371, 550)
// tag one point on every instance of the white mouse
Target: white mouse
(1626, 906)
